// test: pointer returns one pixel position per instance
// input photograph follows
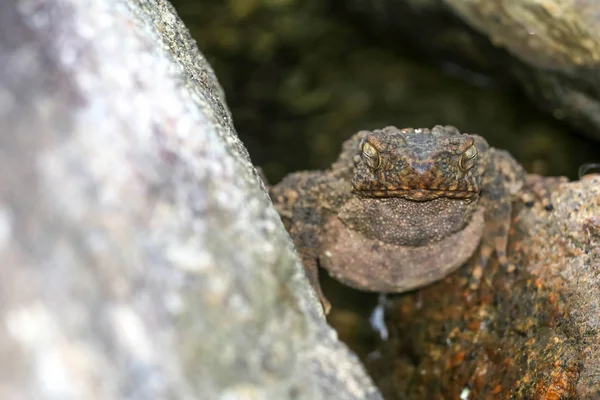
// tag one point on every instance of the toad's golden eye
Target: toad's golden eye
(371, 156)
(468, 159)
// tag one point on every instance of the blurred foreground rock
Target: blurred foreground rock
(532, 334)
(140, 257)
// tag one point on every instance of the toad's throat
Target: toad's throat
(419, 194)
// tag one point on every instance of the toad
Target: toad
(401, 208)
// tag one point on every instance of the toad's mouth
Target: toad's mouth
(419, 194)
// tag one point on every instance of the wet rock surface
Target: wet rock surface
(552, 48)
(533, 333)
(140, 256)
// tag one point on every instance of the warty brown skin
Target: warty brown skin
(401, 208)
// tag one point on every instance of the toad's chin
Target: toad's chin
(372, 265)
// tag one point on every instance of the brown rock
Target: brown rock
(528, 334)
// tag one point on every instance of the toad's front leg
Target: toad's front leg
(502, 183)
(296, 200)
(305, 235)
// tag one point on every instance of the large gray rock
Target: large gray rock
(140, 256)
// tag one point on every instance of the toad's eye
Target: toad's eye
(371, 156)
(468, 159)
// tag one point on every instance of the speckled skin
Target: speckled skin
(400, 209)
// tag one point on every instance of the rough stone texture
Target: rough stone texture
(533, 334)
(552, 47)
(140, 256)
